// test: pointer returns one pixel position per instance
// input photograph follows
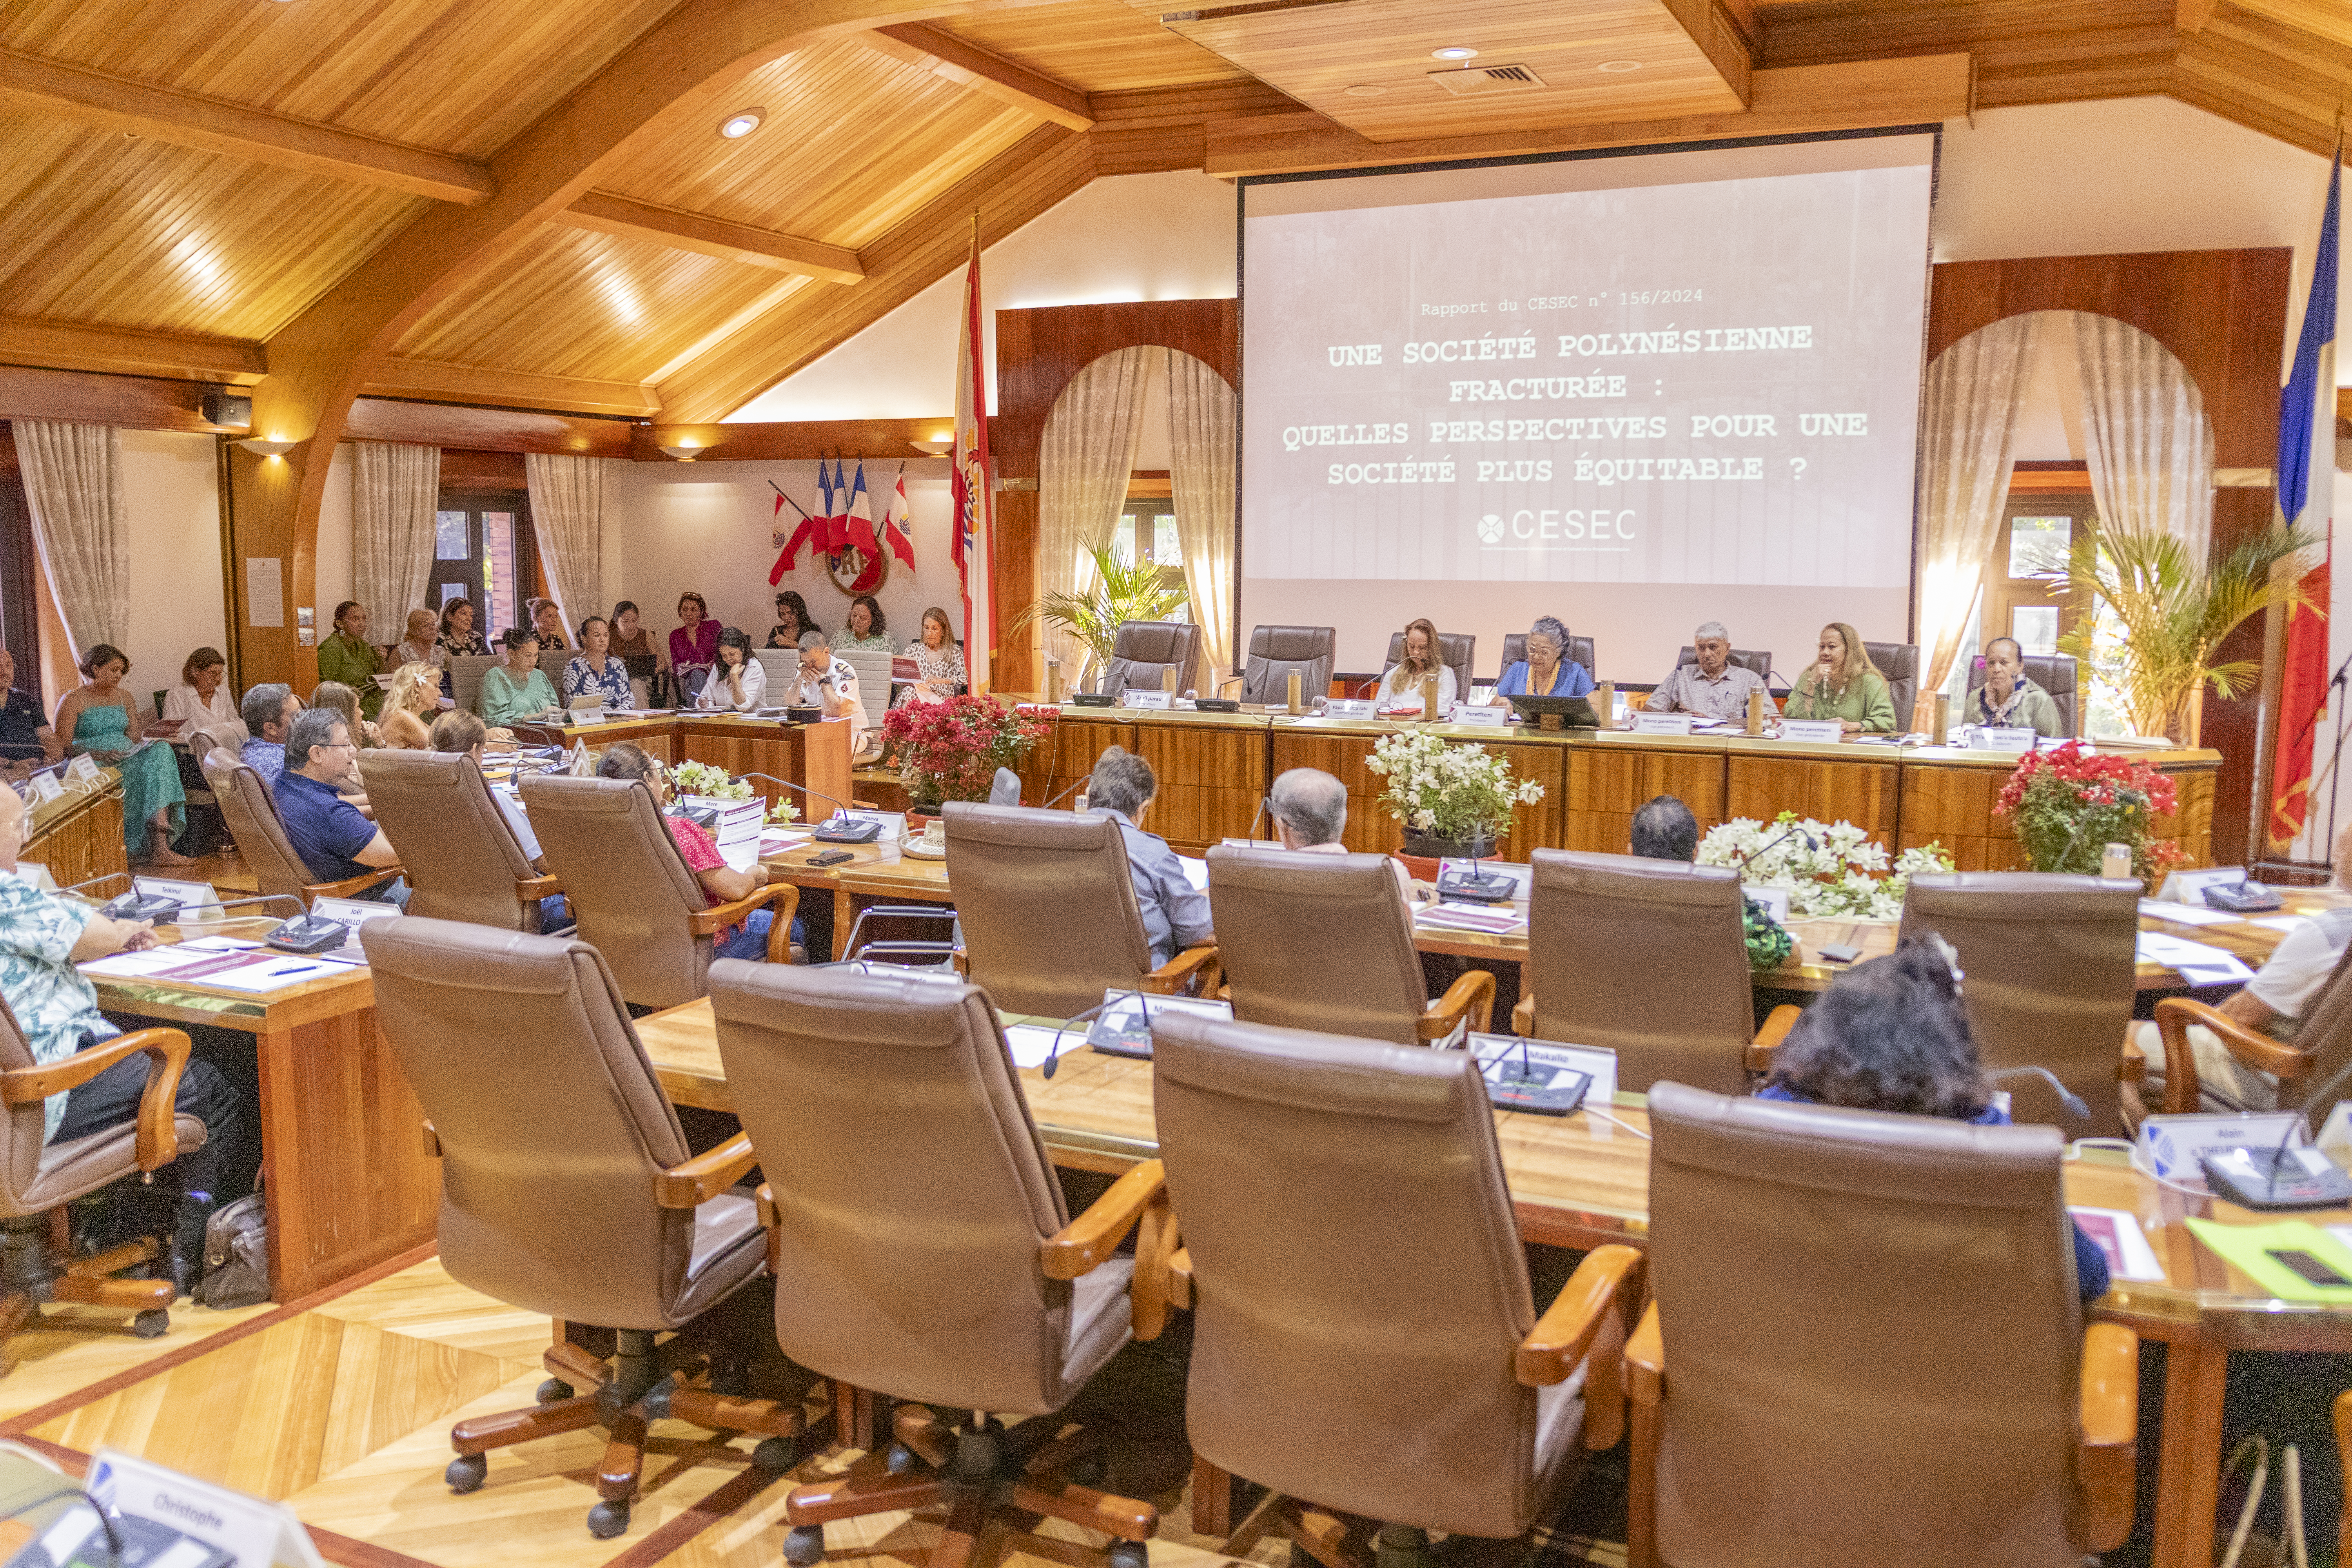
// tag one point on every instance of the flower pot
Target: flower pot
(1431, 847)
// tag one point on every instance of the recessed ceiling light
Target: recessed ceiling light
(1364, 90)
(736, 126)
(1454, 52)
(1616, 67)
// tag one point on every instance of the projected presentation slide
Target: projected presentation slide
(1635, 392)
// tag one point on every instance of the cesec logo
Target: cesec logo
(1490, 530)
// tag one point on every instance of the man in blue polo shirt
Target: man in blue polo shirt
(334, 841)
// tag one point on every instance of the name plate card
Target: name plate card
(46, 788)
(1473, 713)
(83, 769)
(1991, 740)
(1347, 708)
(1647, 723)
(1148, 699)
(1812, 731)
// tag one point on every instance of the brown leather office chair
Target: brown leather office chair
(1899, 662)
(1144, 651)
(1048, 909)
(630, 891)
(922, 1248)
(260, 836)
(1456, 650)
(1580, 650)
(37, 1177)
(1275, 651)
(2314, 1069)
(567, 1189)
(1363, 1337)
(1650, 959)
(465, 672)
(464, 862)
(2051, 970)
(1878, 1353)
(2056, 673)
(1322, 942)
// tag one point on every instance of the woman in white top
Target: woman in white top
(1401, 686)
(201, 701)
(737, 683)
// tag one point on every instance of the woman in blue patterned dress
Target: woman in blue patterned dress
(596, 673)
(102, 720)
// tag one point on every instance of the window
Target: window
(2039, 545)
(1147, 532)
(475, 557)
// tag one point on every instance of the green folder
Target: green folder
(2249, 1247)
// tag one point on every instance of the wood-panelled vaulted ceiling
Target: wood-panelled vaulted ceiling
(181, 181)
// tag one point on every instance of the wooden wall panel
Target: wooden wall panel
(1211, 781)
(77, 839)
(1953, 807)
(1070, 755)
(1539, 825)
(1846, 790)
(1369, 830)
(1607, 785)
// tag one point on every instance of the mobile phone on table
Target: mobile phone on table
(831, 858)
(2310, 1266)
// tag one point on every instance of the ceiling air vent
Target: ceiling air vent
(1486, 78)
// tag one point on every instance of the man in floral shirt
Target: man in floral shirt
(42, 937)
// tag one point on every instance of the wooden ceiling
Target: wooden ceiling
(186, 185)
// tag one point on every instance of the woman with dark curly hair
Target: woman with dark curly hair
(1892, 1035)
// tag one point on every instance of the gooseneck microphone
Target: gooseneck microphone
(803, 789)
(1810, 842)
(2066, 1097)
(1084, 781)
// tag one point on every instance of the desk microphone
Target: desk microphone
(1810, 842)
(1054, 1051)
(1362, 685)
(2066, 1097)
(1066, 793)
(840, 828)
(1257, 817)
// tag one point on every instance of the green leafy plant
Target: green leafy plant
(2068, 805)
(1448, 791)
(952, 749)
(1122, 591)
(2169, 611)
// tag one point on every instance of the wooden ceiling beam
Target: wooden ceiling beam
(608, 214)
(1796, 100)
(943, 54)
(434, 381)
(65, 346)
(792, 441)
(184, 119)
(1720, 36)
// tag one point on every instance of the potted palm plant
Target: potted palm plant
(2169, 611)
(1122, 591)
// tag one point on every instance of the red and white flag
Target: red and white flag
(898, 522)
(858, 524)
(972, 532)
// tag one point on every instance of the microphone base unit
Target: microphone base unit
(2272, 1178)
(857, 832)
(1522, 1075)
(1091, 699)
(1477, 888)
(307, 934)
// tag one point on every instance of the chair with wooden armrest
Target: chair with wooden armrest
(1274, 652)
(631, 892)
(2313, 1072)
(463, 861)
(1325, 943)
(1879, 1348)
(1050, 921)
(260, 836)
(921, 1247)
(1650, 959)
(1144, 653)
(2052, 971)
(567, 1189)
(38, 1177)
(1363, 1340)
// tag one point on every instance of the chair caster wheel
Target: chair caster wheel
(804, 1545)
(900, 1460)
(151, 1325)
(1127, 1554)
(466, 1472)
(775, 1455)
(607, 1519)
(553, 1389)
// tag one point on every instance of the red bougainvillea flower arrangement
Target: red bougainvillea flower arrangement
(952, 749)
(2070, 804)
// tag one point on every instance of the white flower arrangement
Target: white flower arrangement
(707, 781)
(1448, 790)
(1843, 874)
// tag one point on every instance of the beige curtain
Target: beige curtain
(1974, 389)
(1083, 459)
(1200, 477)
(73, 482)
(567, 514)
(395, 489)
(2148, 444)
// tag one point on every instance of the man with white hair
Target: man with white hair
(1309, 808)
(1713, 688)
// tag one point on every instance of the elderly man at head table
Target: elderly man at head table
(27, 742)
(269, 709)
(2008, 699)
(2273, 1003)
(1175, 913)
(1713, 688)
(333, 841)
(42, 937)
(1665, 829)
(1309, 808)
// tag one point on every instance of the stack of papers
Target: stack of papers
(2187, 914)
(1494, 919)
(2117, 1234)
(2198, 964)
(1195, 872)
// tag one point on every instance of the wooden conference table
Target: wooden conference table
(1579, 1182)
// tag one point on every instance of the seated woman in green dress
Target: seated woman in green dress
(518, 689)
(1843, 684)
(100, 719)
(348, 656)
